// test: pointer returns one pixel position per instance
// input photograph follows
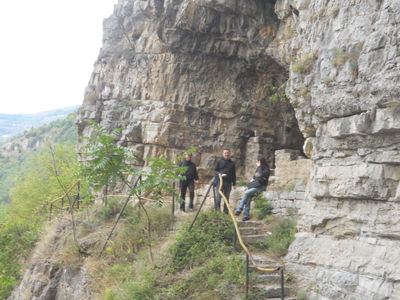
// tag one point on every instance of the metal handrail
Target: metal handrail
(244, 247)
(201, 205)
(66, 193)
(119, 216)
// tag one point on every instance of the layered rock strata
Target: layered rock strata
(286, 190)
(181, 73)
(344, 61)
(176, 74)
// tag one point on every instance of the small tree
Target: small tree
(157, 178)
(106, 162)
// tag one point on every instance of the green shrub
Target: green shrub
(27, 211)
(142, 288)
(282, 235)
(213, 280)
(134, 232)
(211, 233)
(110, 211)
(262, 206)
(200, 265)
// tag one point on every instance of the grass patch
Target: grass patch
(304, 63)
(262, 206)
(339, 57)
(327, 80)
(289, 187)
(200, 264)
(282, 235)
(212, 233)
(304, 93)
(241, 183)
(301, 295)
(110, 211)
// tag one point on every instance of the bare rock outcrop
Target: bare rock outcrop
(47, 278)
(343, 84)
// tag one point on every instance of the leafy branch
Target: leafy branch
(106, 162)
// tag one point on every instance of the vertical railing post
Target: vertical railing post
(247, 276)
(139, 180)
(105, 200)
(173, 199)
(282, 285)
(78, 195)
(234, 238)
(51, 210)
(119, 215)
(215, 199)
(201, 205)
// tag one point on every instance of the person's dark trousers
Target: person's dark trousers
(226, 189)
(184, 185)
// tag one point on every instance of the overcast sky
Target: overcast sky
(47, 51)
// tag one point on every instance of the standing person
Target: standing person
(226, 167)
(191, 177)
(257, 184)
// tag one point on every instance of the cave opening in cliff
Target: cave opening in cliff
(200, 76)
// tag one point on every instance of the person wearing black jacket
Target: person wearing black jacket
(226, 167)
(191, 177)
(258, 183)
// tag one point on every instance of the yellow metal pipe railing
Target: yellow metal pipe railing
(244, 247)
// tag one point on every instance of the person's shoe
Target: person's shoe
(246, 218)
(182, 209)
(191, 207)
(237, 213)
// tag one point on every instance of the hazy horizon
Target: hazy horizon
(45, 111)
(49, 48)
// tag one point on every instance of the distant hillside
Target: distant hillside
(18, 152)
(14, 124)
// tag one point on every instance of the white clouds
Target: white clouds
(47, 51)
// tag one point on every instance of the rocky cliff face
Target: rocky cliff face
(344, 62)
(47, 278)
(209, 73)
(181, 73)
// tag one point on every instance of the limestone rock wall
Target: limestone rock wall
(182, 73)
(344, 63)
(287, 186)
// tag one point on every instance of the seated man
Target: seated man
(257, 184)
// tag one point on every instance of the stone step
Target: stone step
(254, 238)
(249, 223)
(253, 230)
(270, 291)
(262, 260)
(267, 278)
(286, 298)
